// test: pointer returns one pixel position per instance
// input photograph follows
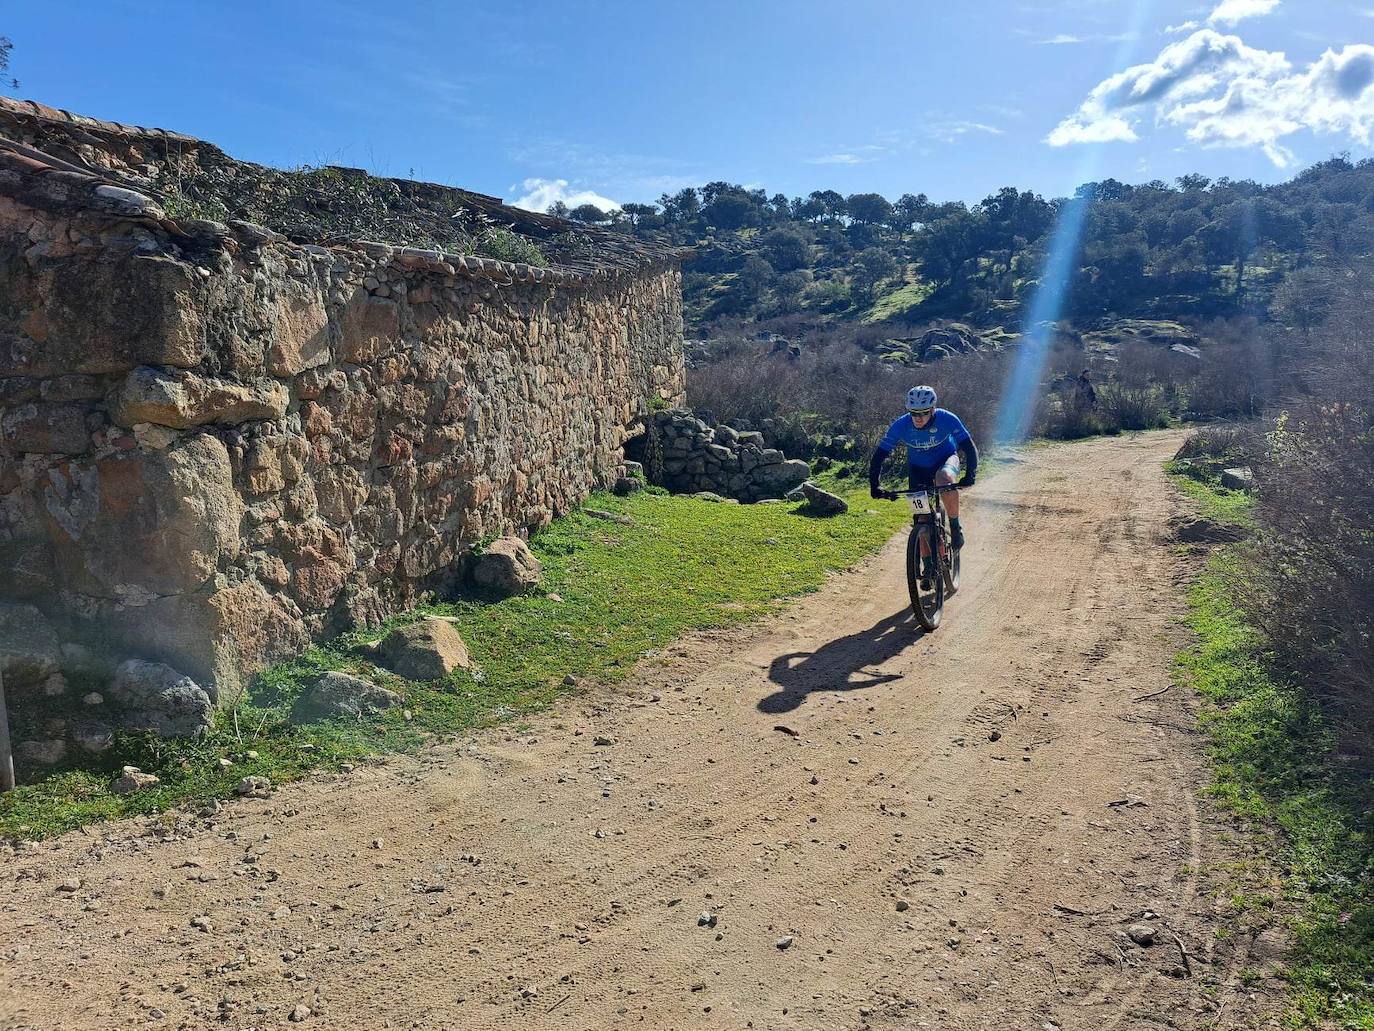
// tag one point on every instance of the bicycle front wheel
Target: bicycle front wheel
(928, 593)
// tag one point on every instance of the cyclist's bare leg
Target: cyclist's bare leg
(950, 500)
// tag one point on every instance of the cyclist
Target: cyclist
(933, 438)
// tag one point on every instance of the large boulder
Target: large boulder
(821, 502)
(777, 479)
(1239, 478)
(158, 698)
(342, 694)
(506, 567)
(428, 650)
(29, 648)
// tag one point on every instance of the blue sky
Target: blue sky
(624, 100)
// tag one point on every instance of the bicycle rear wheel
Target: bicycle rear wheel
(927, 596)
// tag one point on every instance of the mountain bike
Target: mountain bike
(930, 537)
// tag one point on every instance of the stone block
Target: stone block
(182, 400)
(300, 331)
(29, 648)
(140, 524)
(49, 429)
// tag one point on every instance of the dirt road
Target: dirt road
(665, 857)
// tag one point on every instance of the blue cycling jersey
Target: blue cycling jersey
(927, 448)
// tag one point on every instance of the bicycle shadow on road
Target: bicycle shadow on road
(834, 666)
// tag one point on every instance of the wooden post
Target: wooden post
(6, 757)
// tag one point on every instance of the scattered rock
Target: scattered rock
(785, 942)
(506, 567)
(254, 787)
(133, 779)
(342, 694)
(610, 517)
(93, 736)
(1238, 478)
(70, 885)
(627, 485)
(158, 698)
(428, 650)
(603, 741)
(903, 905)
(706, 919)
(299, 1013)
(1142, 934)
(822, 502)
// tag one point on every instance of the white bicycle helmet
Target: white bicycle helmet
(919, 399)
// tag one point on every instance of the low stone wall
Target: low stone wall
(685, 454)
(216, 444)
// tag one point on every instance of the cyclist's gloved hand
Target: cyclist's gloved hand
(877, 492)
(967, 481)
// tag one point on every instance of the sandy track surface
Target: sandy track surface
(664, 857)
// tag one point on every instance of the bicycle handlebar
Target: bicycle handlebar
(943, 488)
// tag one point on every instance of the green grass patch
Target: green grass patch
(1229, 507)
(1273, 766)
(898, 302)
(621, 592)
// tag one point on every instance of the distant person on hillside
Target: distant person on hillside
(1085, 394)
(933, 439)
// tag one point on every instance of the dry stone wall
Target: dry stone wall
(216, 444)
(685, 454)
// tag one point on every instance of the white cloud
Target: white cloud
(1222, 93)
(1229, 12)
(1061, 40)
(541, 193)
(949, 132)
(1179, 29)
(837, 159)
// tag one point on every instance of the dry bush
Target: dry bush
(1236, 378)
(838, 389)
(1310, 583)
(1132, 408)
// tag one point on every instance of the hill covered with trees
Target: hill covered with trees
(1195, 248)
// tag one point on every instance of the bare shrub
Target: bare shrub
(1310, 582)
(1236, 378)
(1132, 408)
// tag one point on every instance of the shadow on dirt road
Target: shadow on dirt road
(834, 666)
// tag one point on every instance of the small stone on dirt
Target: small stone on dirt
(1142, 934)
(706, 920)
(70, 884)
(254, 787)
(903, 905)
(299, 1013)
(133, 779)
(785, 942)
